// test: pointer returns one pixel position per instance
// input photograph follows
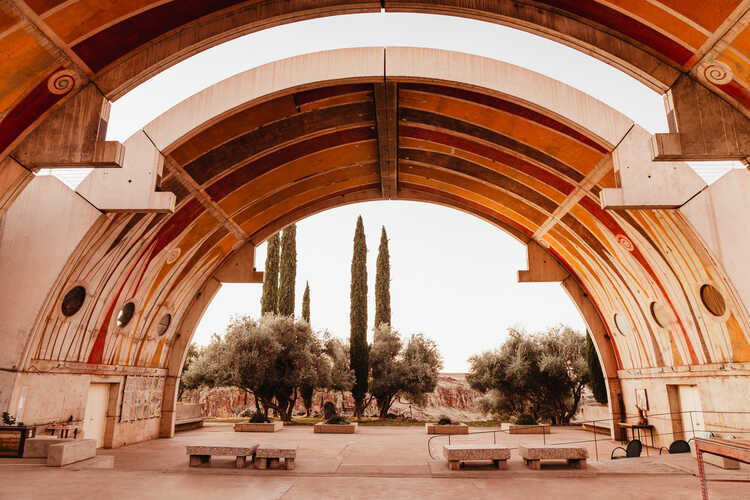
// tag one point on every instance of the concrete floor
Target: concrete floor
(377, 462)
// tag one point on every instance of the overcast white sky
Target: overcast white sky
(453, 276)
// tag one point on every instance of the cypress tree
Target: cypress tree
(359, 352)
(268, 301)
(596, 377)
(383, 283)
(306, 303)
(288, 271)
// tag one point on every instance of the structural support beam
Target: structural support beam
(386, 117)
(132, 188)
(72, 135)
(240, 267)
(542, 266)
(645, 183)
(702, 126)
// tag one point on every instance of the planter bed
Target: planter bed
(526, 429)
(323, 428)
(258, 427)
(447, 428)
(13, 438)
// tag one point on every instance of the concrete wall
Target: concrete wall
(720, 387)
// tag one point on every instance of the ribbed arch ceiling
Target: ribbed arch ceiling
(118, 44)
(249, 171)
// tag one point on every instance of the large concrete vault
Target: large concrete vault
(659, 278)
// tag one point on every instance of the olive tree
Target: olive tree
(541, 374)
(410, 371)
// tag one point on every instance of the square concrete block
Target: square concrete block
(37, 447)
(70, 452)
(323, 428)
(447, 428)
(263, 427)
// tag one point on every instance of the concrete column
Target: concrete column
(184, 336)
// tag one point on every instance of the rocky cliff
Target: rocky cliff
(452, 397)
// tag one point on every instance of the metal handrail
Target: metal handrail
(719, 428)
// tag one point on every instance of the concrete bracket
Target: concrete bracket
(73, 136)
(543, 267)
(702, 126)
(645, 183)
(133, 187)
(240, 267)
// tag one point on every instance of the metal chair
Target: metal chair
(678, 446)
(632, 449)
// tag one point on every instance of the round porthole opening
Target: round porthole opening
(125, 314)
(73, 300)
(660, 314)
(622, 324)
(713, 300)
(163, 325)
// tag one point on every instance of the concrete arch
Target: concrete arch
(56, 50)
(559, 170)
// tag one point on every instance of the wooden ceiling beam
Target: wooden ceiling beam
(386, 117)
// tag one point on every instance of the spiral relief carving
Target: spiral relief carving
(625, 242)
(62, 82)
(718, 73)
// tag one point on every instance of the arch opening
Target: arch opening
(264, 149)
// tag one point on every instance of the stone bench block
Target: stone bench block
(70, 452)
(447, 428)
(260, 427)
(456, 454)
(323, 428)
(201, 455)
(269, 457)
(38, 447)
(528, 429)
(533, 456)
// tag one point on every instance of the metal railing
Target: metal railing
(667, 418)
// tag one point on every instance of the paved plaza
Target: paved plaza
(377, 462)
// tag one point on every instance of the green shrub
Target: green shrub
(445, 420)
(337, 420)
(258, 418)
(525, 419)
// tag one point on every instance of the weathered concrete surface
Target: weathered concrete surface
(526, 429)
(323, 428)
(70, 452)
(376, 462)
(259, 427)
(447, 428)
(476, 452)
(38, 447)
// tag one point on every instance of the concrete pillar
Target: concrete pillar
(184, 336)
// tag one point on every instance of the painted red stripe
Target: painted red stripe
(488, 152)
(313, 95)
(626, 25)
(243, 175)
(507, 107)
(23, 114)
(114, 42)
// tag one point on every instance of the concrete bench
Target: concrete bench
(576, 457)
(456, 454)
(70, 452)
(201, 455)
(38, 447)
(269, 457)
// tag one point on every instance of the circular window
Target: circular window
(126, 314)
(622, 323)
(713, 300)
(660, 314)
(73, 300)
(163, 325)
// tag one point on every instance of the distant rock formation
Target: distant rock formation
(452, 397)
